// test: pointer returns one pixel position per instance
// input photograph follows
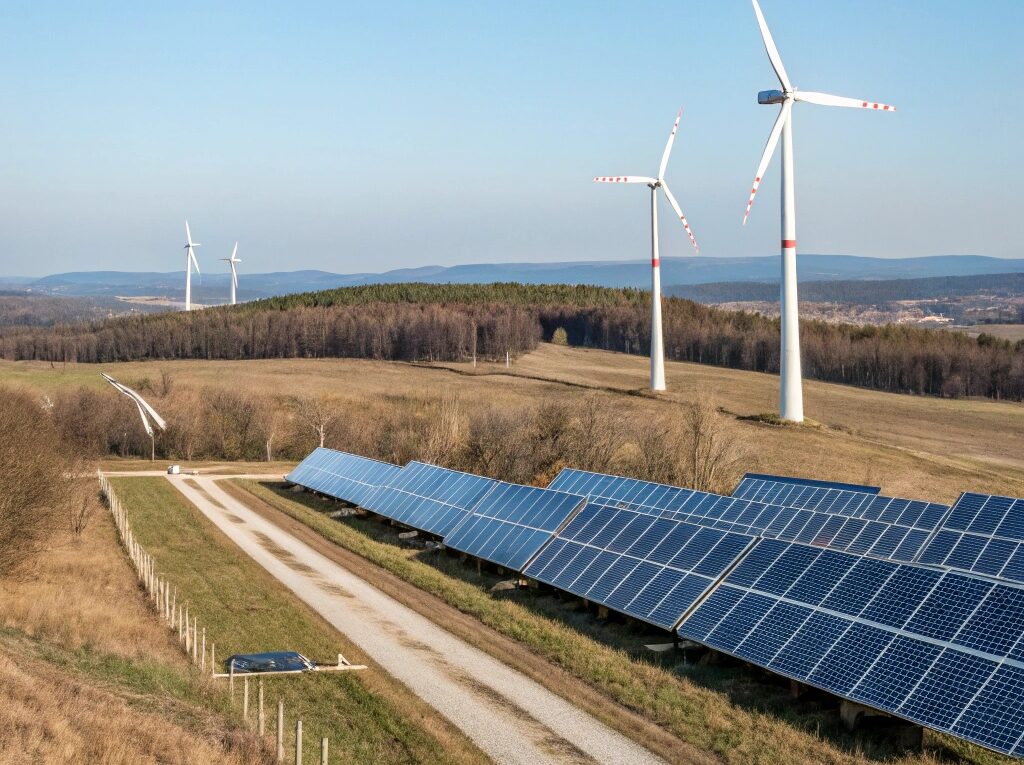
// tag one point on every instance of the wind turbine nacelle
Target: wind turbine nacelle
(766, 97)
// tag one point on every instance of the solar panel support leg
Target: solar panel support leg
(602, 612)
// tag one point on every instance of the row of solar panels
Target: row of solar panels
(907, 606)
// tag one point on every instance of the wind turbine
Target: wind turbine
(657, 340)
(791, 397)
(190, 260)
(234, 274)
(146, 412)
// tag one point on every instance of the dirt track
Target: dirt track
(511, 717)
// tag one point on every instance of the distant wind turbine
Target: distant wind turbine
(791, 397)
(657, 340)
(146, 412)
(190, 260)
(234, 274)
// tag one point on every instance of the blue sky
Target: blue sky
(369, 136)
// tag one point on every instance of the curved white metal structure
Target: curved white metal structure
(232, 261)
(190, 260)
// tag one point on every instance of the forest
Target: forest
(424, 322)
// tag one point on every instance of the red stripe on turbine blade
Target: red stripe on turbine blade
(655, 262)
(789, 244)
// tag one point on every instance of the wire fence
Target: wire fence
(163, 596)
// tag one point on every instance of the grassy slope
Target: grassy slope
(911, 446)
(726, 711)
(367, 716)
(85, 665)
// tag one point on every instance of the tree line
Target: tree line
(451, 322)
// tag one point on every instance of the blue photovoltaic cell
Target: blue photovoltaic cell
(983, 534)
(428, 497)
(512, 523)
(822, 515)
(344, 476)
(939, 648)
(649, 568)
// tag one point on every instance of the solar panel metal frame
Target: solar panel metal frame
(921, 644)
(511, 524)
(429, 498)
(652, 569)
(342, 475)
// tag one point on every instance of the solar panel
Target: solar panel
(884, 527)
(512, 523)
(939, 648)
(653, 569)
(804, 492)
(428, 498)
(983, 534)
(344, 476)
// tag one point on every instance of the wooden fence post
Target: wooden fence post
(195, 639)
(280, 731)
(213, 659)
(245, 697)
(260, 719)
(202, 661)
(298, 742)
(323, 751)
(231, 680)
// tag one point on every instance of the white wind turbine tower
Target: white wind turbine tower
(190, 260)
(657, 340)
(234, 274)
(791, 398)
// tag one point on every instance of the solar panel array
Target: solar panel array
(861, 523)
(651, 568)
(342, 475)
(983, 534)
(428, 497)
(936, 647)
(512, 523)
(905, 606)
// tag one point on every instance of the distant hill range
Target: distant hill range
(860, 292)
(679, 272)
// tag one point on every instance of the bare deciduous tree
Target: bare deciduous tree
(317, 413)
(38, 481)
(712, 455)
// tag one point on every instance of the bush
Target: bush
(40, 483)
(560, 337)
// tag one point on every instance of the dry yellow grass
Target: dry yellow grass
(912, 446)
(88, 675)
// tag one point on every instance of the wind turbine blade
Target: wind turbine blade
(234, 275)
(234, 251)
(668, 146)
(769, 149)
(675, 206)
(145, 421)
(188, 234)
(145, 405)
(824, 99)
(192, 257)
(624, 179)
(773, 52)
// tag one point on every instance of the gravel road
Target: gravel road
(509, 716)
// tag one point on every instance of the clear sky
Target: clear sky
(357, 136)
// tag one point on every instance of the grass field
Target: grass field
(1011, 332)
(88, 674)
(368, 717)
(911, 446)
(730, 712)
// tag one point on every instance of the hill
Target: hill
(857, 291)
(423, 322)
(213, 288)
